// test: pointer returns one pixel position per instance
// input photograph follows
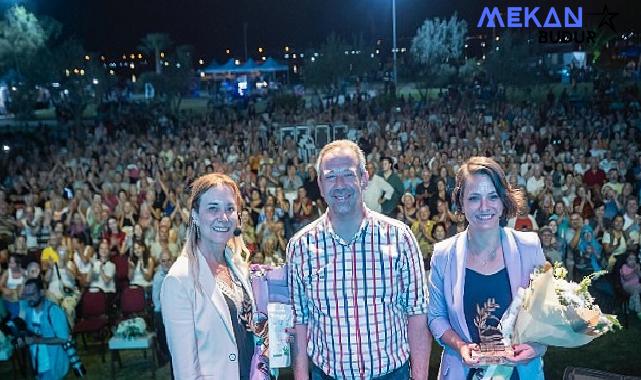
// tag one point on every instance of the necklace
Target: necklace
(489, 257)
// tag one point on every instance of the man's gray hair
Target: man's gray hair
(342, 144)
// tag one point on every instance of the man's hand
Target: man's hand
(299, 353)
(21, 342)
(29, 340)
(420, 342)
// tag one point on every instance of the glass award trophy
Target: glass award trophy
(492, 350)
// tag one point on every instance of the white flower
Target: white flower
(130, 328)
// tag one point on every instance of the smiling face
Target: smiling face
(139, 249)
(103, 251)
(341, 182)
(217, 215)
(424, 213)
(439, 232)
(481, 203)
(618, 223)
(546, 237)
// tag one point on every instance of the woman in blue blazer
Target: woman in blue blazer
(485, 263)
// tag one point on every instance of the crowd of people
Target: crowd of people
(74, 209)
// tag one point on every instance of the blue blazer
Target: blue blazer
(522, 253)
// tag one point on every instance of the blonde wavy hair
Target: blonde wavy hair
(240, 256)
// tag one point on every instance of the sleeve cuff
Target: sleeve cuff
(439, 326)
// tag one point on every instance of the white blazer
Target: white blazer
(199, 328)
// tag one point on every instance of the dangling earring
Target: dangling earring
(238, 231)
(195, 228)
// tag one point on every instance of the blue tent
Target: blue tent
(249, 66)
(271, 65)
(229, 67)
(211, 67)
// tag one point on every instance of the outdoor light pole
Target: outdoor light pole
(245, 38)
(394, 40)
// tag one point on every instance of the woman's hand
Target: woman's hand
(465, 350)
(523, 353)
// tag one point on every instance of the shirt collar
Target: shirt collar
(329, 228)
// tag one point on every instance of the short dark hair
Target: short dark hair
(36, 282)
(512, 198)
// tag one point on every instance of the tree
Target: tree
(174, 83)
(23, 38)
(80, 81)
(21, 35)
(154, 43)
(509, 59)
(438, 46)
(600, 44)
(337, 60)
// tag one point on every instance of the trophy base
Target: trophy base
(492, 355)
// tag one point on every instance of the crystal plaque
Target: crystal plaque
(491, 349)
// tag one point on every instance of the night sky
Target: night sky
(116, 26)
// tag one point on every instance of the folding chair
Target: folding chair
(93, 318)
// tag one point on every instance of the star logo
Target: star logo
(606, 18)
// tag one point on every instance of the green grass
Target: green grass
(616, 352)
(515, 93)
(198, 105)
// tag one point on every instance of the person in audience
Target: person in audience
(163, 242)
(422, 229)
(48, 323)
(11, 284)
(303, 209)
(630, 274)
(552, 249)
(141, 266)
(378, 190)
(103, 271)
(114, 236)
(388, 207)
(407, 209)
(33, 270)
(166, 261)
(590, 254)
(614, 241)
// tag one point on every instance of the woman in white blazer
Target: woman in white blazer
(206, 299)
(485, 263)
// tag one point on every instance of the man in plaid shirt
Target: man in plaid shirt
(359, 297)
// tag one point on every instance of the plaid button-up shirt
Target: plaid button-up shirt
(355, 296)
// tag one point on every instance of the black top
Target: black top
(244, 341)
(478, 289)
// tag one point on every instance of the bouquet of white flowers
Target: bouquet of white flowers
(131, 328)
(554, 312)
